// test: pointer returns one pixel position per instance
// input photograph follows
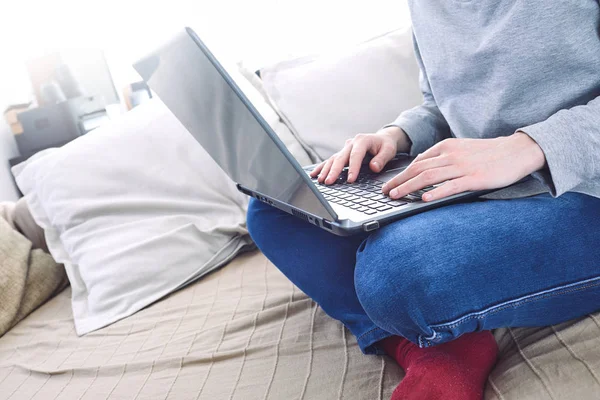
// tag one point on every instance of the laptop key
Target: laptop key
(379, 197)
(383, 208)
(395, 203)
(370, 203)
(412, 197)
(355, 206)
(370, 212)
(363, 209)
(362, 201)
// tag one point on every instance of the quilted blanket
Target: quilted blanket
(28, 276)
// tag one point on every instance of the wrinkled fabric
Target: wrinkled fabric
(490, 68)
(434, 276)
(28, 277)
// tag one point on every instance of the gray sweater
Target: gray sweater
(491, 67)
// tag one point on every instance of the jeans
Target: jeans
(436, 275)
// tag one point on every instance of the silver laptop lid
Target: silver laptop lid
(206, 100)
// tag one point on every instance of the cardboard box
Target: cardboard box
(17, 128)
(10, 115)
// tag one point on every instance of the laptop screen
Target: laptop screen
(203, 97)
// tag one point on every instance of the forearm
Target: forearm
(570, 141)
(529, 153)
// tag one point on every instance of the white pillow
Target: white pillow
(331, 98)
(258, 84)
(261, 102)
(134, 210)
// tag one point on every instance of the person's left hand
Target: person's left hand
(468, 164)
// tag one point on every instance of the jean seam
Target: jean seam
(372, 336)
(368, 332)
(514, 304)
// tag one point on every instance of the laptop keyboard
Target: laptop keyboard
(365, 195)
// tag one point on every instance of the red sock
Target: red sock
(456, 370)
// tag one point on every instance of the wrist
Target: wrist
(530, 152)
(403, 143)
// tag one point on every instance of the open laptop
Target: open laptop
(207, 101)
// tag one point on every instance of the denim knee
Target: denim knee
(398, 287)
(260, 217)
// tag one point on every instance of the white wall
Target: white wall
(258, 32)
(8, 150)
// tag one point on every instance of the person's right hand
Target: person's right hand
(383, 145)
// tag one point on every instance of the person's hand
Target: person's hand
(468, 164)
(383, 145)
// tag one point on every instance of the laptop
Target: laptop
(210, 105)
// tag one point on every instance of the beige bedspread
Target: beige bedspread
(28, 277)
(244, 332)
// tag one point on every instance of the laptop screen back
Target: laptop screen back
(212, 108)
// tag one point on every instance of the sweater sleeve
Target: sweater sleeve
(570, 140)
(425, 125)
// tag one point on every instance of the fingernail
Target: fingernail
(375, 163)
(350, 175)
(393, 193)
(426, 196)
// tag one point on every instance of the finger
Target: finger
(427, 178)
(357, 155)
(317, 169)
(449, 188)
(416, 168)
(431, 152)
(385, 154)
(325, 170)
(339, 162)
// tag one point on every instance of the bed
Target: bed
(245, 332)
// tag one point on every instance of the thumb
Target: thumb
(385, 154)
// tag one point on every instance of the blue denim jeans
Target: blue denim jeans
(434, 276)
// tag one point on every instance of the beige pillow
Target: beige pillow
(328, 99)
(18, 217)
